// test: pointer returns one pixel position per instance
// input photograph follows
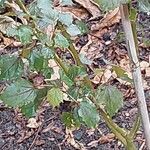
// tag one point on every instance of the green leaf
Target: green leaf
(39, 60)
(2, 2)
(44, 39)
(110, 97)
(18, 94)
(44, 5)
(24, 33)
(69, 120)
(85, 60)
(74, 92)
(76, 71)
(44, 13)
(73, 30)
(66, 18)
(61, 41)
(121, 74)
(11, 67)
(107, 5)
(133, 14)
(82, 27)
(87, 111)
(144, 5)
(30, 109)
(55, 96)
(65, 78)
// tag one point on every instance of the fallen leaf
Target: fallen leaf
(90, 7)
(144, 65)
(56, 68)
(70, 139)
(25, 135)
(109, 19)
(39, 142)
(33, 124)
(78, 13)
(48, 128)
(106, 76)
(147, 72)
(102, 140)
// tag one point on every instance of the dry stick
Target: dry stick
(137, 77)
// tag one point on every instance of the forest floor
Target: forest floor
(104, 42)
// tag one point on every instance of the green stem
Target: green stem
(135, 127)
(74, 53)
(71, 47)
(60, 63)
(22, 6)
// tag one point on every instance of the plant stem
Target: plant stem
(60, 63)
(21, 5)
(71, 47)
(137, 77)
(135, 127)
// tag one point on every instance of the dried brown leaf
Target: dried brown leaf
(90, 7)
(109, 19)
(78, 13)
(32, 123)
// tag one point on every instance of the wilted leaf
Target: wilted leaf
(61, 41)
(110, 97)
(87, 111)
(19, 93)
(11, 67)
(6, 23)
(55, 96)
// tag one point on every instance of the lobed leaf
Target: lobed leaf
(87, 111)
(110, 97)
(29, 110)
(73, 30)
(61, 41)
(11, 67)
(69, 120)
(18, 93)
(55, 96)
